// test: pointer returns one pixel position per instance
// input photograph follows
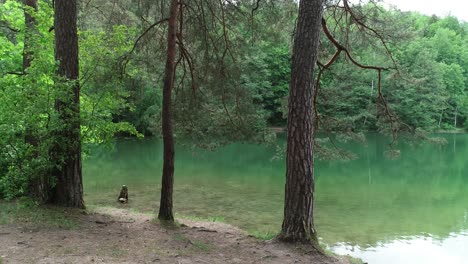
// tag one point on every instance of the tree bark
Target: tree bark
(30, 29)
(298, 224)
(165, 208)
(68, 190)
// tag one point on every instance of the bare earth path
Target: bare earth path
(120, 236)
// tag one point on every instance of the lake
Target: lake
(413, 209)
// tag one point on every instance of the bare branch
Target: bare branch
(126, 58)
(359, 21)
(257, 5)
(145, 32)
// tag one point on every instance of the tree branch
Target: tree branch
(5, 25)
(16, 73)
(126, 57)
(145, 32)
(358, 21)
(392, 117)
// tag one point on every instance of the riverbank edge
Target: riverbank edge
(27, 215)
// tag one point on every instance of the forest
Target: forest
(306, 77)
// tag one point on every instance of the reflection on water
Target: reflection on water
(385, 211)
(411, 250)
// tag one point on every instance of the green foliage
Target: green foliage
(104, 91)
(231, 83)
(28, 120)
(428, 91)
(25, 102)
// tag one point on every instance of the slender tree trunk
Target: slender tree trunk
(30, 29)
(440, 118)
(38, 185)
(165, 208)
(67, 150)
(455, 118)
(370, 99)
(298, 224)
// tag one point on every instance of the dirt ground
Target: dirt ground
(120, 236)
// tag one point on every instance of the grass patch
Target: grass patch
(218, 219)
(264, 235)
(92, 208)
(201, 246)
(136, 211)
(29, 214)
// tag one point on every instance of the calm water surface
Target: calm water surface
(410, 210)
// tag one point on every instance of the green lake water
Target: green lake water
(409, 210)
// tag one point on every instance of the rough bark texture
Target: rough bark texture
(69, 187)
(30, 29)
(298, 225)
(165, 208)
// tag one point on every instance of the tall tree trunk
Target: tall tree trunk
(38, 185)
(165, 208)
(67, 150)
(30, 29)
(298, 224)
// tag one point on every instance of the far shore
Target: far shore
(277, 129)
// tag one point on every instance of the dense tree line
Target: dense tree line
(232, 70)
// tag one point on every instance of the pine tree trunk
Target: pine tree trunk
(298, 224)
(69, 187)
(165, 208)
